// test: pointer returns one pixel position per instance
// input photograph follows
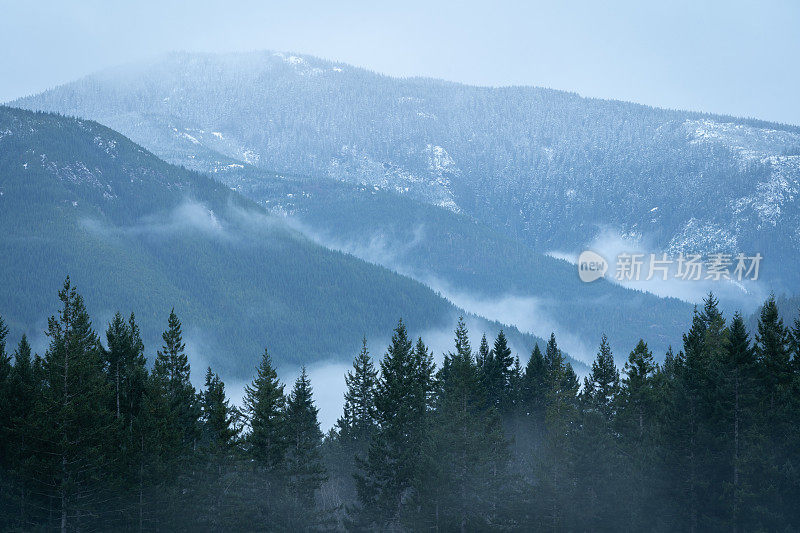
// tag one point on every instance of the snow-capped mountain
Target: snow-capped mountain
(549, 168)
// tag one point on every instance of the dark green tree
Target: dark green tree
(555, 464)
(402, 404)
(219, 433)
(534, 386)
(5, 430)
(779, 392)
(466, 453)
(125, 366)
(304, 469)
(354, 430)
(601, 387)
(216, 472)
(358, 422)
(26, 392)
(597, 457)
(171, 371)
(497, 374)
(738, 398)
(74, 421)
(264, 402)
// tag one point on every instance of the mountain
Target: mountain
(471, 190)
(548, 168)
(136, 233)
(473, 265)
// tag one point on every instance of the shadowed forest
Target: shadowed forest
(94, 436)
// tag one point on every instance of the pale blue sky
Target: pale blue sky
(736, 57)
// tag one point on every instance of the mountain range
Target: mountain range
(471, 191)
(137, 234)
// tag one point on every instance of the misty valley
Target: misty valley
(96, 437)
(253, 290)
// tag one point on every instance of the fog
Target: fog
(190, 215)
(746, 295)
(524, 312)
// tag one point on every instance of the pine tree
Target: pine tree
(497, 374)
(465, 453)
(637, 422)
(349, 441)
(560, 415)
(638, 370)
(779, 393)
(117, 339)
(601, 387)
(402, 404)
(215, 474)
(596, 444)
(681, 423)
(304, 469)
(74, 422)
(25, 394)
(125, 366)
(534, 386)
(358, 424)
(5, 429)
(773, 352)
(738, 396)
(483, 353)
(264, 402)
(172, 372)
(795, 345)
(168, 432)
(5, 393)
(217, 418)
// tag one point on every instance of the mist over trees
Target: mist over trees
(93, 437)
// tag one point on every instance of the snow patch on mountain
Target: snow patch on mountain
(108, 145)
(749, 142)
(300, 64)
(430, 184)
(770, 196)
(703, 237)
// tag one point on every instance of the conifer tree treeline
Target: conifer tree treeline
(708, 440)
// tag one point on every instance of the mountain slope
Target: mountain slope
(139, 234)
(541, 166)
(472, 264)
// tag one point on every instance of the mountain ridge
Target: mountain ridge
(547, 169)
(462, 147)
(80, 199)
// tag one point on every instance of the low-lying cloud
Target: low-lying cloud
(745, 295)
(188, 216)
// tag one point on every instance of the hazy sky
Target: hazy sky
(741, 58)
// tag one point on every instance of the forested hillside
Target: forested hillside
(78, 199)
(542, 166)
(92, 438)
(478, 267)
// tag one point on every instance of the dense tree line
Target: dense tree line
(92, 437)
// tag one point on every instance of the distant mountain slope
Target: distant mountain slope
(546, 167)
(472, 264)
(135, 233)
(788, 309)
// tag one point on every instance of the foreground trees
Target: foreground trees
(90, 438)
